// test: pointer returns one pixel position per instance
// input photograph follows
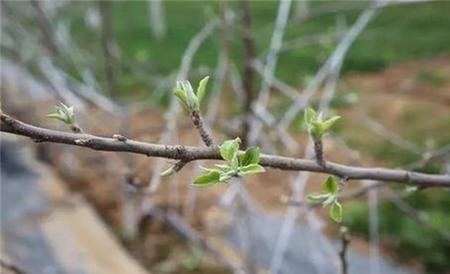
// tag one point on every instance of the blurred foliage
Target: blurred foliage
(409, 240)
(381, 44)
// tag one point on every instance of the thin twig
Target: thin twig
(197, 120)
(318, 150)
(345, 240)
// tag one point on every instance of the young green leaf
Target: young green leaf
(229, 149)
(57, 116)
(234, 163)
(316, 198)
(167, 172)
(201, 89)
(411, 189)
(63, 113)
(186, 94)
(315, 124)
(224, 176)
(207, 178)
(331, 199)
(251, 169)
(336, 212)
(181, 94)
(326, 125)
(251, 156)
(310, 116)
(331, 186)
(191, 97)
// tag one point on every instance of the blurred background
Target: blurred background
(384, 66)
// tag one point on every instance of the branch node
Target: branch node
(76, 128)
(120, 138)
(181, 152)
(80, 142)
(408, 177)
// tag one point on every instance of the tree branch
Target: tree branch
(189, 153)
(197, 120)
(345, 240)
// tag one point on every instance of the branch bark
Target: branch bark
(197, 120)
(189, 153)
(345, 240)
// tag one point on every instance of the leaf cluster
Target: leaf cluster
(190, 100)
(330, 190)
(64, 114)
(316, 126)
(237, 165)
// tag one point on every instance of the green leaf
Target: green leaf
(251, 156)
(226, 175)
(251, 169)
(234, 163)
(66, 111)
(331, 186)
(192, 100)
(411, 189)
(336, 212)
(56, 116)
(181, 94)
(329, 200)
(326, 125)
(316, 130)
(64, 114)
(316, 198)
(229, 149)
(167, 172)
(186, 95)
(201, 89)
(207, 178)
(310, 116)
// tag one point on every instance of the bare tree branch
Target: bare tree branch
(345, 240)
(189, 153)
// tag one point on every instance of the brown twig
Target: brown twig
(345, 240)
(189, 153)
(197, 120)
(318, 149)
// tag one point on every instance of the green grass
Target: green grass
(397, 34)
(411, 241)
